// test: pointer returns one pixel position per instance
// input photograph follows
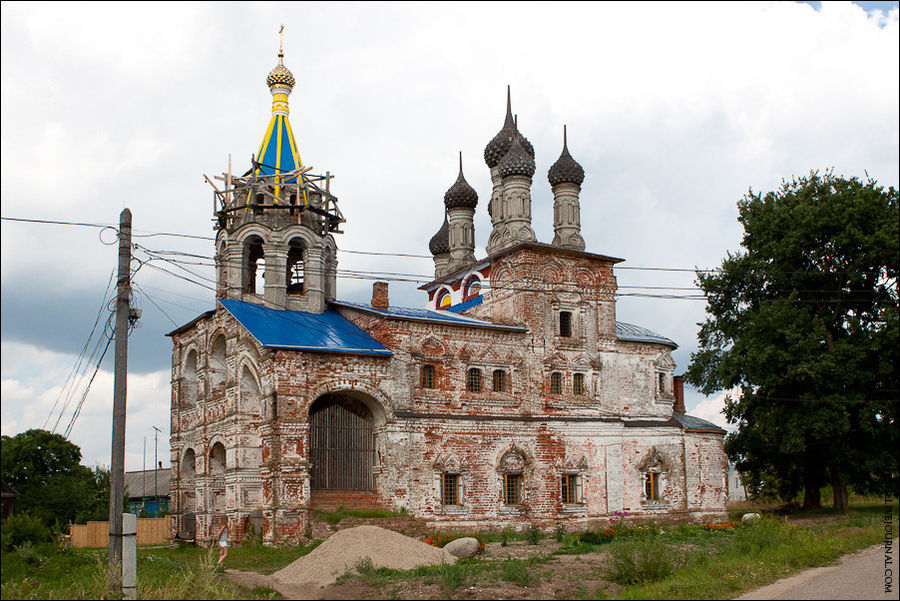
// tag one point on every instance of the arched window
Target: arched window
(295, 267)
(428, 376)
(474, 380)
(189, 383)
(217, 367)
(556, 383)
(512, 469)
(217, 460)
(499, 380)
(254, 265)
(578, 385)
(250, 395)
(188, 472)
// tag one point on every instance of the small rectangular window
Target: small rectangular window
(451, 489)
(570, 486)
(578, 385)
(499, 380)
(556, 383)
(474, 380)
(428, 373)
(662, 383)
(565, 324)
(651, 486)
(512, 489)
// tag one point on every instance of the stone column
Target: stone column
(497, 213)
(276, 267)
(233, 266)
(462, 237)
(567, 216)
(517, 211)
(314, 280)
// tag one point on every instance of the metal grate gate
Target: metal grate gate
(342, 444)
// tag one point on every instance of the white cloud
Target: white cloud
(31, 382)
(712, 408)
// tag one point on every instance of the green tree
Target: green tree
(45, 470)
(803, 320)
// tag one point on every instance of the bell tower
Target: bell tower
(274, 242)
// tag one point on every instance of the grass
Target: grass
(718, 565)
(675, 561)
(336, 516)
(47, 571)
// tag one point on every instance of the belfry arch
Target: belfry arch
(343, 433)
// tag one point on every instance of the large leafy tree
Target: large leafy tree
(45, 470)
(803, 322)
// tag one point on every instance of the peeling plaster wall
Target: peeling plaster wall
(601, 436)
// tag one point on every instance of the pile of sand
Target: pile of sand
(344, 550)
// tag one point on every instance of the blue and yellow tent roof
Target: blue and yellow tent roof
(278, 152)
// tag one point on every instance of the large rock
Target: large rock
(750, 517)
(462, 547)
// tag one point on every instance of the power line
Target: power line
(76, 368)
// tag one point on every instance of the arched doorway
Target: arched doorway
(342, 442)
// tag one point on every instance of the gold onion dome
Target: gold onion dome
(565, 169)
(461, 194)
(440, 242)
(280, 74)
(518, 161)
(499, 146)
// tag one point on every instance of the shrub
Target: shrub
(505, 535)
(518, 572)
(640, 560)
(29, 554)
(534, 535)
(559, 532)
(24, 528)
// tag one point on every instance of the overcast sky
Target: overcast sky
(674, 110)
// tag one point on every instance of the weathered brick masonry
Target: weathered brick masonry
(515, 397)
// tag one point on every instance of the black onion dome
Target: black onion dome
(565, 169)
(461, 194)
(440, 242)
(518, 161)
(499, 146)
(280, 74)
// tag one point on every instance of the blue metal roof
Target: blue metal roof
(632, 333)
(443, 317)
(329, 331)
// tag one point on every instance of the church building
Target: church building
(512, 397)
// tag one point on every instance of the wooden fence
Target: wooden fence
(150, 531)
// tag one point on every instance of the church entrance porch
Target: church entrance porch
(342, 451)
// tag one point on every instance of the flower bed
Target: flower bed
(618, 529)
(439, 540)
(721, 527)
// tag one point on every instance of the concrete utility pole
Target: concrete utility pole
(156, 471)
(117, 463)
